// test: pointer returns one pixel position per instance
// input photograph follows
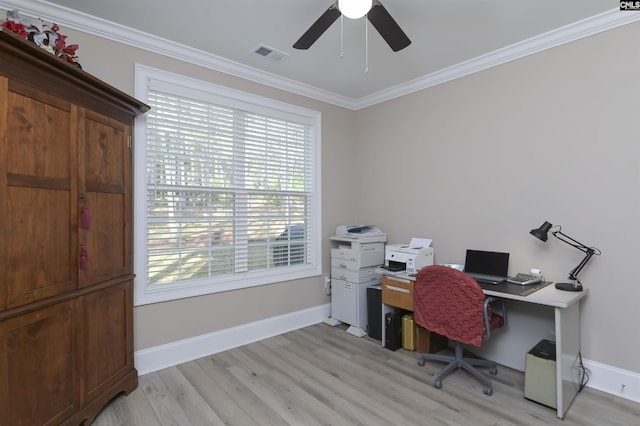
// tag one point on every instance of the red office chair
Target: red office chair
(451, 303)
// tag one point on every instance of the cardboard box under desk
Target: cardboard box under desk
(428, 342)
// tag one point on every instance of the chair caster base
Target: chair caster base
(488, 390)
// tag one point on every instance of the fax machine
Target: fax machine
(407, 257)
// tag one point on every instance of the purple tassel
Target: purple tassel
(83, 256)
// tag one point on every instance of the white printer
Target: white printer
(357, 251)
(409, 258)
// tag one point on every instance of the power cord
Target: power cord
(584, 373)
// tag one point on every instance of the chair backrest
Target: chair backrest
(450, 303)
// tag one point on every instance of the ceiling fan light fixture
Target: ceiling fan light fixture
(354, 9)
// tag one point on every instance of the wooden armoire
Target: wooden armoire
(66, 276)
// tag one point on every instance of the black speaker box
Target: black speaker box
(393, 330)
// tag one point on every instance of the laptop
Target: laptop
(487, 267)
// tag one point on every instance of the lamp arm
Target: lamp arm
(573, 275)
(567, 239)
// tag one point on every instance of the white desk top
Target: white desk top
(549, 296)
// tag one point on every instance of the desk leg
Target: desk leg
(567, 356)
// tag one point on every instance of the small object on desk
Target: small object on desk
(524, 279)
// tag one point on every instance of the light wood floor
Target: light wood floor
(320, 375)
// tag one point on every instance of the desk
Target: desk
(566, 305)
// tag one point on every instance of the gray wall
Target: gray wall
(480, 161)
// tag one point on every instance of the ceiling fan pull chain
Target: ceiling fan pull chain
(366, 47)
(342, 36)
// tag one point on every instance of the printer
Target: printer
(357, 251)
(359, 233)
(409, 258)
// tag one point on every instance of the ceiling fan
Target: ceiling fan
(375, 12)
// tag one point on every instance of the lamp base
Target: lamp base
(569, 287)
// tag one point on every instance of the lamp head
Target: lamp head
(541, 232)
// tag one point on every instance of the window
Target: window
(227, 189)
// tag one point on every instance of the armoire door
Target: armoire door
(38, 187)
(107, 338)
(105, 198)
(38, 371)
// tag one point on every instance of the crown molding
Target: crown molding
(99, 27)
(575, 31)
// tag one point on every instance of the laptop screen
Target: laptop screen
(487, 262)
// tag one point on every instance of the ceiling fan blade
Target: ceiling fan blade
(318, 28)
(387, 27)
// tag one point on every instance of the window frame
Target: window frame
(144, 293)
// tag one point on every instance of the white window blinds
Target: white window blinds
(229, 191)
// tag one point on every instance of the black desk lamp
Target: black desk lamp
(575, 284)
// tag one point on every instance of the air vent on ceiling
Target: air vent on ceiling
(270, 52)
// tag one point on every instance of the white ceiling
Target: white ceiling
(449, 37)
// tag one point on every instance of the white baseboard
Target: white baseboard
(170, 354)
(612, 380)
